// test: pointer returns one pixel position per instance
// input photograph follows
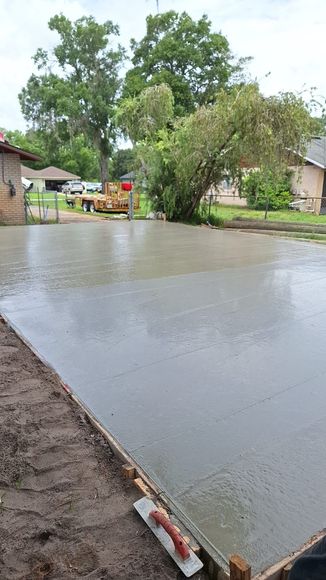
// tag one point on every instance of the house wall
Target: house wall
(11, 207)
(227, 195)
(231, 199)
(307, 181)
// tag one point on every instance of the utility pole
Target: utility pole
(158, 6)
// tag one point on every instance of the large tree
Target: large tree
(181, 162)
(73, 155)
(30, 141)
(77, 87)
(122, 162)
(186, 55)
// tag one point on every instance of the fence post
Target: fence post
(25, 207)
(209, 206)
(43, 206)
(56, 206)
(266, 207)
(39, 205)
(131, 205)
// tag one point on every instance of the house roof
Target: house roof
(28, 172)
(130, 175)
(51, 173)
(316, 152)
(5, 147)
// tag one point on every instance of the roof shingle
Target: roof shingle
(51, 173)
(316, 152)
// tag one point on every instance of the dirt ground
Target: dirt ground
(65, 509)
(70, 217)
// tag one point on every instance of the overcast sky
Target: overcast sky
(285, 38)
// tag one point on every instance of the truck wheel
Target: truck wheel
(92, 207)
(85, 206)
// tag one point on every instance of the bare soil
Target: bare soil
(65, 509)
(70, 217)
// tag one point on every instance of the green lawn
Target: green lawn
(228, 212)
(48, 200)
(225, 212)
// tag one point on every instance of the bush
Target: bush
(216, 221)
(259, 187)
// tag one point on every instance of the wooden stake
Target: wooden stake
(128, 471)
(143, 488)
(239, 568)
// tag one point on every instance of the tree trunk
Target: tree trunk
(197, 197)
(104, 164)
(195, 201)
(209, 169)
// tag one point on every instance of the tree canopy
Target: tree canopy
(122, 162)
(242, 129)
(142, 116)
(184, 54)
(78, 86)
(190, 113)
(74, 155)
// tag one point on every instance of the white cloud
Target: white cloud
(285, 37)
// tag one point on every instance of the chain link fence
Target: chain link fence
(42, 207)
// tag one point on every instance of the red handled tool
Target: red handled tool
(179, 543)
(169, 537)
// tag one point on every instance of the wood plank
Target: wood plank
(143, 488)
(239, 568)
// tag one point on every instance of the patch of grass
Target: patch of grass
(303, 236)
(228, 212)
(48, 200)
(18, 483)
(216, 220)
(36, 221)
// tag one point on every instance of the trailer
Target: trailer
(115, 199)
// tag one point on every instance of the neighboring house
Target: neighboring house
(12, 207)
(226, 193)
(128, 177)
(48, 179)
(308, 181)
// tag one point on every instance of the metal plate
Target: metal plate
(190, 566)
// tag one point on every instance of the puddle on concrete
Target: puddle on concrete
(202, 352)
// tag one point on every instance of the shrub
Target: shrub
(200, 216)
(259, 187)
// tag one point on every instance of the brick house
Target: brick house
(12, 210)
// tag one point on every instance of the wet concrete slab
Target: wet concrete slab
(202, 351)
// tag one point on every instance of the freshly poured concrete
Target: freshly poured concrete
(203, 352)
